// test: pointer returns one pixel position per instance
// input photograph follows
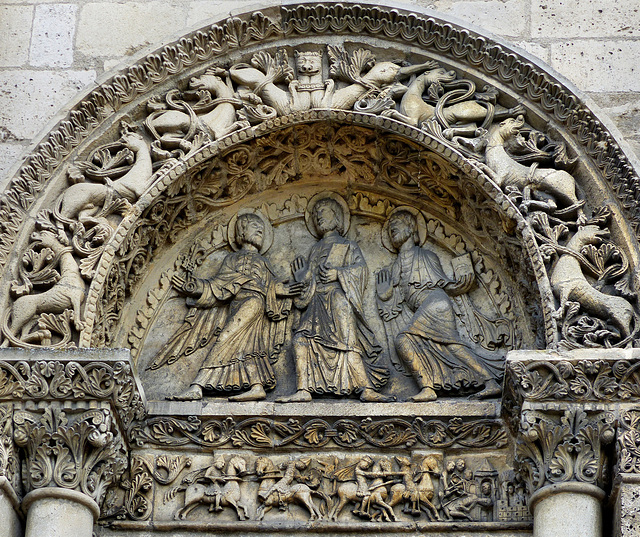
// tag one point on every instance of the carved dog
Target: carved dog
(568, 283)
(84, 200)
(558, 184)
(67, 293)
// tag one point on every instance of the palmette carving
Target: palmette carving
(558, 447)
(80, 451)
(316, 433)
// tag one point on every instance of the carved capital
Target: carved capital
(106, 375)
(564, 445)
(80, 450)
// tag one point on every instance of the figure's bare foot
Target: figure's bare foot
(192, 394)
(301, 396)
(424, 395)
(491, 389)
(369, 395)
(255, 393)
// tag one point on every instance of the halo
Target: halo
(267, 239)
(346, 213)
(420, 221)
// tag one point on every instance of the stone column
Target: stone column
(559, 452)
(56, 512)
(10, 525)
(72, 456)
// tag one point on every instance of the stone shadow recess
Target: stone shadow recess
(366, 267)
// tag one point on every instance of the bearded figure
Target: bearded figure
(414, 301)
(334, 348)
(234, 318)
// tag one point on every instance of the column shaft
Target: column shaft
(567, 510)
(54, 512)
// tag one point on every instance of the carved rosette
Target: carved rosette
(77, 450)
(562, 446)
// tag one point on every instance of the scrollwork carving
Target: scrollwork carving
(72, 380)
(628, 442)
(315, 433)
(558, 447)
(607, 380)
(80, 451)
(9, 462)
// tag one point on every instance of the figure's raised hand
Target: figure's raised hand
(300, 269)
(384, 288)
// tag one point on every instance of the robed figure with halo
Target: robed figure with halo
(414, 300)
(334, 347)
(238, 317)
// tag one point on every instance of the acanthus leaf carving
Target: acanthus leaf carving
(561, 446)
(80, 451)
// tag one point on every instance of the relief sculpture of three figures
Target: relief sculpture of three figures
(244, 315)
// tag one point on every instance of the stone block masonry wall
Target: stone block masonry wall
(50, 51)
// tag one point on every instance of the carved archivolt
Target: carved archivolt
(198, 134)
(381, 218)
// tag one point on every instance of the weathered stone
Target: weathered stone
(504, 18)
(601, 66)
(46, 91)
(552, 508)
(15, 28)
(9, 509)
(53, 32)
(114, 29)
(593, 18)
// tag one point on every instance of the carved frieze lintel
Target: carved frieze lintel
(78, 449)
(320, 424)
